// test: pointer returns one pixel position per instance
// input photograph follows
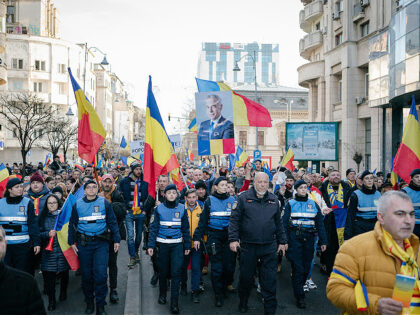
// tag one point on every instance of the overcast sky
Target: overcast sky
(163, 38)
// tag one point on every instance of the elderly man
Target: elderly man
(373, 260)
(256, 223)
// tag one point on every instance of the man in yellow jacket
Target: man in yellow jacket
(366, 266)
(194, 211)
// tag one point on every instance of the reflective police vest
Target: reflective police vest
(14, 219)
(170, 223)
(367, 205)
(220, 211)
(303, 213)
(92, 216)
(415, 198)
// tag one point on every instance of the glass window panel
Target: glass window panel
(374, 88)
(384, 86)
(399, 26)
(412, 43)
(400, 75)
(374, 69)
(412, 75)
(413, 16)
(384, 65)
(399, 50)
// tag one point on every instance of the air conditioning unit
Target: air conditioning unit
(360, 100)
(336, 15)
(324, 30)
(364, 3)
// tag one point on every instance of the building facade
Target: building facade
(217, 60)
(339, 75)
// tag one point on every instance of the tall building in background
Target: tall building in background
(217, 60)
(363, 67)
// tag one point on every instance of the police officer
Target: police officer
(92, 226)
(362, 208)
(169, 236)
(256, 223)
(302, 219)
(17, 216)
(413, 190)
(215, 220)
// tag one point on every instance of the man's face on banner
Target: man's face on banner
(214, 108)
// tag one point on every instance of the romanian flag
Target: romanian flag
(241, 157)
(287, 161)
(190, 155)
(193, 125)
(4, 178)
(408, 154)
(394, 178)
(159, 155)
(267, 170)
(79, 167)
(62, 228)
(47, 162)
(177, 179)
(91, 132)
(245, 111)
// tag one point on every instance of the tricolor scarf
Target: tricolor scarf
(409, 268)
(108, 195)
(340, 213)
(136, 205)
(36, 203)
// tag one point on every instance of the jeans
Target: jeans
(195, 257)
(313, 259)
(134, 222)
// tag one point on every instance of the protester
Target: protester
(38, 192)
(413, 190)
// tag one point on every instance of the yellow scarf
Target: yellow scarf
(36, 203)
(409, 267)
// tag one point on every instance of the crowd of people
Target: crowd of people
(244, 219)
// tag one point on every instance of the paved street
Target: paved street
(316, 300)
(75, 300)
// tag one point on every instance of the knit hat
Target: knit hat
(350, 170)
(218, 180)
(170, 187)
(365, 173)
(415, 172)
(108, 176)
(299, 183)
(13, 182)
(37, 178)
(386, 183)
(200, 184)
(90, 181)
(57, 189)
(134, 165)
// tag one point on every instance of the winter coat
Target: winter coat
(126, 187)
(19, 293)
(51, 260)
(118, 206)
(366, 258)
(44, 193)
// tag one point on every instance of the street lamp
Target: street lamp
(104, 62)
(236, 69)
(288, 107)
(69, 112)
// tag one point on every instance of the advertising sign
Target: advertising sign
(175, 141)
(137, 147)
(313, 141)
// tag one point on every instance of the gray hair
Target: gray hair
(216, 97)
(2, 231)
(386, 198)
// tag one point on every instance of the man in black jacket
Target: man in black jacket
(18, 290)
(332, 189)
(116, 199)
(256, 222)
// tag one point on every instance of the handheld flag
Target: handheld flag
(4, 178)
(159, 155)
(232, 161)
(176, 179)
(408, 154)
(123, 143)
(394, 177)
(193, 125)
(245, 111)
(47, 162)
(287, 161)
(91, 133)
(241, 157)
(267, 171)
(190, 155)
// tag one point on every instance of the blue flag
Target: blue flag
(123, 143)
(232, 161)
(267, 171)
(124, 160)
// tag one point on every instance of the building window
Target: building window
(24, 30)
(17, 63)
(367, 84)
(62, 88)
(340, 90)
(243, 137)
(39, 65)
(37, 86)
(318, 26)
(339, 5)
(338, 39)
(10, 15)
(61, 68)
(260, 137)
(364, 29)
(17, 85)
(15, 133)
(368, 141)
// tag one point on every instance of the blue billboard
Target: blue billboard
(313, 141)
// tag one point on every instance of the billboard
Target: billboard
(214, 112)
(313, 141)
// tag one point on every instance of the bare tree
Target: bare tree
(69, 137)
(27, 117)
(54, 135)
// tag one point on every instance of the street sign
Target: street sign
(1, 145)
(137, 147)
(257, 154)
(175, 140)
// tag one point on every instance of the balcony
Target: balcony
(3, 74)
(310, 71)
(309, 14)
(310, 42)
(358, 12)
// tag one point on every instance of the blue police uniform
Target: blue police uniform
(89, 220)
(361, 213)
(215, 220)
(169, 236)
(415, 198)
(302, 220)
(18, 219)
